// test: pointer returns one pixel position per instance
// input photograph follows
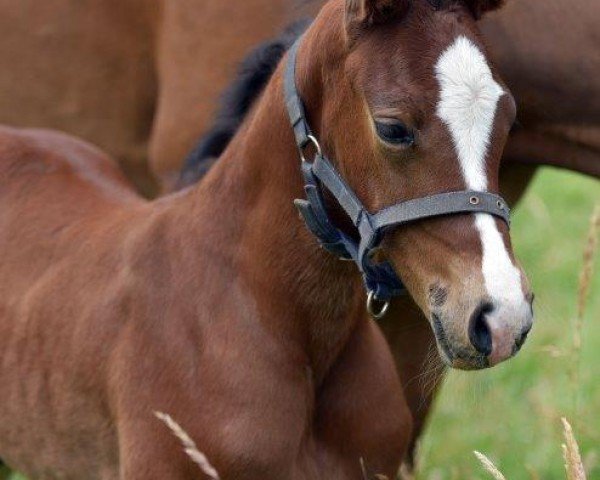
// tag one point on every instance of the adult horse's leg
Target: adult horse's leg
(201, 42)
(413, 345)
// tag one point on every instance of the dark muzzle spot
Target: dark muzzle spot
(437, 296)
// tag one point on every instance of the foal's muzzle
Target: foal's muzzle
(494, 334)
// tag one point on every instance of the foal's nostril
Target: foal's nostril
(479, 330)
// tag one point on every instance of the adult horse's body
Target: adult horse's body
(545, 50)
(136, 77)
(141, 78)
(215, 304)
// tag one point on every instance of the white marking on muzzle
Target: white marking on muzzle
(468, 102)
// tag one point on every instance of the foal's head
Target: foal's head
(406, 104)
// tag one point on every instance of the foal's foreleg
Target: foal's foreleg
(421, 371)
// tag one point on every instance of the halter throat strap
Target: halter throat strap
(380, 279)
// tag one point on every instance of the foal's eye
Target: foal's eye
(395, 132)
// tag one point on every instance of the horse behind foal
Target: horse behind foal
(216, 306)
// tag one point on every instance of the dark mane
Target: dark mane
(253, 74)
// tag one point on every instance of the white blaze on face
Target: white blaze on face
(469, 98)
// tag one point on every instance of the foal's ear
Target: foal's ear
(365, 13)
(479, 7)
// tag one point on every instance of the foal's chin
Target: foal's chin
(470, 363)
(466, 363)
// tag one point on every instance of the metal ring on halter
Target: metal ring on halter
(315, 143)
(376, 314)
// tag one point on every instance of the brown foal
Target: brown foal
(216, 306)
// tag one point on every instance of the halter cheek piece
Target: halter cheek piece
(380, 279)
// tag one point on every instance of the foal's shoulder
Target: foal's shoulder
(50, 156)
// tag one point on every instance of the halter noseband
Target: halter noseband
(380, 279)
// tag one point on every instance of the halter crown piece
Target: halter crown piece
(380, 279)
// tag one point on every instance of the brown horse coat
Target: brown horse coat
(114, 84)
(214, 304)
(545, 50)
(138, 78)
(113, 308)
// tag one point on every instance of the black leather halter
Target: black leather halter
(380, 279)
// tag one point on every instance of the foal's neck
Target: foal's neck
(301, 291)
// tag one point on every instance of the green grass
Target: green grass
(512, 412)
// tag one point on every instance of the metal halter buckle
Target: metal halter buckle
(377, 314)
(315, 144)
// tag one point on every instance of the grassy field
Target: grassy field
(512, 413)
